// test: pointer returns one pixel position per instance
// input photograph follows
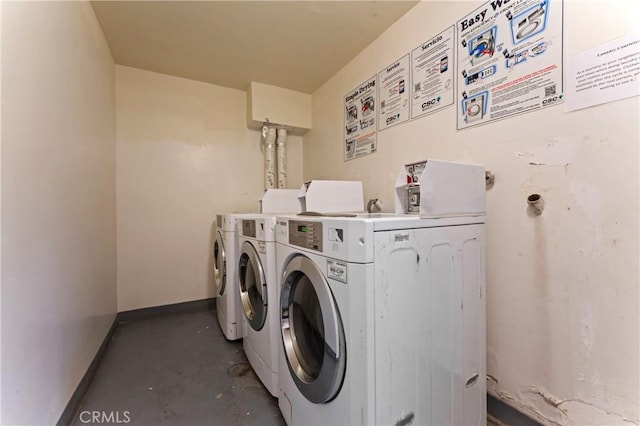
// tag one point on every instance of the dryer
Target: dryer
(382, 320)
(258, 289)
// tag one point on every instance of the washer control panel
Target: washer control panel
(249, 228)
(305, 234)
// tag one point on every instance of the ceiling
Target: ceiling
(297, 45)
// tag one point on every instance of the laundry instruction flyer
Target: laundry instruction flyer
(432, 72)
(360, 127)
(394, 94)
(509, 60)
(605, 73)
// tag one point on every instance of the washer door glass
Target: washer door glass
(219, 264)
(253, 286)
(312, 331)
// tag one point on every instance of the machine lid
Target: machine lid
(321, 214)
(253, 286)
(219, 264)
(312, 331)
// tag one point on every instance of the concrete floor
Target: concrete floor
(177, 369)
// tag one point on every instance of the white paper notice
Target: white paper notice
(604, 74)
(360, 129)
(394, 94)
(432, 71)
(509, 60)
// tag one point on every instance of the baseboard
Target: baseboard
(76, 399)
(122, 318)
(175, 308)
(508, 415)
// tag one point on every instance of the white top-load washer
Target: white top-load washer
(382, 320)
(273, 201)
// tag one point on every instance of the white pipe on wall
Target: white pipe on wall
(270, 159)
(282, 158)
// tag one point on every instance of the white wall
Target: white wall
(0, 213)
(58, 204)
(562, 302)
(184, 155)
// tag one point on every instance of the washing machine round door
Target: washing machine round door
(312, 331)
(253, 286)
(219, 264)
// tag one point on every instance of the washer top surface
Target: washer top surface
(227, 222)
(385, 221)
(352, 239)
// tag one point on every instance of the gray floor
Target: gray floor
(177, 369)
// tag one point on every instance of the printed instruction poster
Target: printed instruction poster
(433, 74)
(509, 60)
(360, 127)
(394, 94)
(604, 73)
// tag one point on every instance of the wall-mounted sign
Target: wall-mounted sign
(360, 127)
(604, 73)
(432, 67)
(509, 60)
(394, 94)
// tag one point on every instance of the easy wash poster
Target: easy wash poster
(509, 60)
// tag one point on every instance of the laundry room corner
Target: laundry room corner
(175, 139)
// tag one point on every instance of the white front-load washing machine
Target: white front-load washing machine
(382, 320)
(225, 250)
(258, 286)
(224, 273)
